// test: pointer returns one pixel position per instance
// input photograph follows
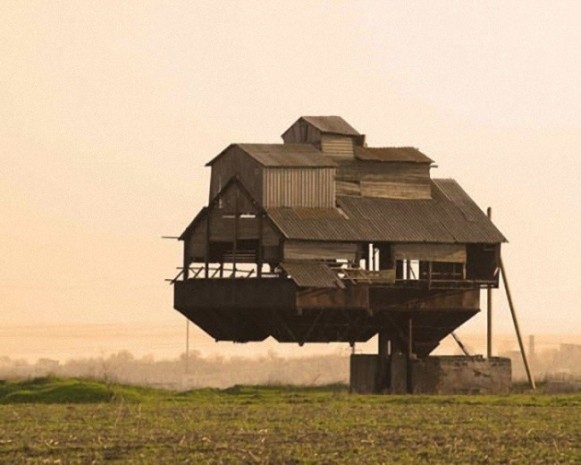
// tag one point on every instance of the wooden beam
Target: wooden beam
(489, 308)
(409, 376)
(235, 243)
(186, 268)
(259, 258)
(207, 254)
(516, 327)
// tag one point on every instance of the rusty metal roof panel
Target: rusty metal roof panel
(391, 154)
(311, 274)
(331, 125)
(449, 217)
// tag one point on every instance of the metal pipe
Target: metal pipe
(516, 327)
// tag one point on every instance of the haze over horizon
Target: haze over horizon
(109, 112)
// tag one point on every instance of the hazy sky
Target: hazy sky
(109, 110)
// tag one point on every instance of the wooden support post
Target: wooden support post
(235, 243)
(410, 338)
(260, 258)
(382, 376)
(409, 380)
(489, 309)
(187, 357)
(382, 344)
(207, 254)
(186, 270)
(516, 327)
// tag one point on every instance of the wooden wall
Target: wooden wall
(298, 250)
(391, 180)
(236, 162)
(450, 253)
(302, 133)
(222, 231)
(337, 145)
(299, 187)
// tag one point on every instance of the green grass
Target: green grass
(82, 421)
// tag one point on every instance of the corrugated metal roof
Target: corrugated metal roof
(283, 155)
(311, 274)
(392, 154)
(331, 125)
(449, 217)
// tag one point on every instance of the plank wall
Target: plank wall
(391, 180)
(236, 162)
(450, 253)
(299, 250)
(302, 133)
(299, 187)
(337, 145)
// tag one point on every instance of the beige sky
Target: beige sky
(109, 110)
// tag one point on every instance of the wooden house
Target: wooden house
(324, 239)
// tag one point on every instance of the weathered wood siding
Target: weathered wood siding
(235, 200)
(235, 162)
(395, 190)
(298, 250)
(299, 187)
(302, 133)
(451, 253)
(391, 180)
(196, 243)
(348, 188)
(337, 145)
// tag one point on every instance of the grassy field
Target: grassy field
(51, 421)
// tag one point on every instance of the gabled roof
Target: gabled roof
(282, 155)
(331, 125)
(449, 217)
(391, 154)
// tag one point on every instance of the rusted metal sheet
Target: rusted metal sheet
(392, 154)
(311, 274)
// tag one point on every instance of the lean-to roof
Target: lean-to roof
(449, 217)
(311, 274)
(331, 125)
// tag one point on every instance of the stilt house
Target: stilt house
(324, 239)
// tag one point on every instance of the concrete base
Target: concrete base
(431, 375)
